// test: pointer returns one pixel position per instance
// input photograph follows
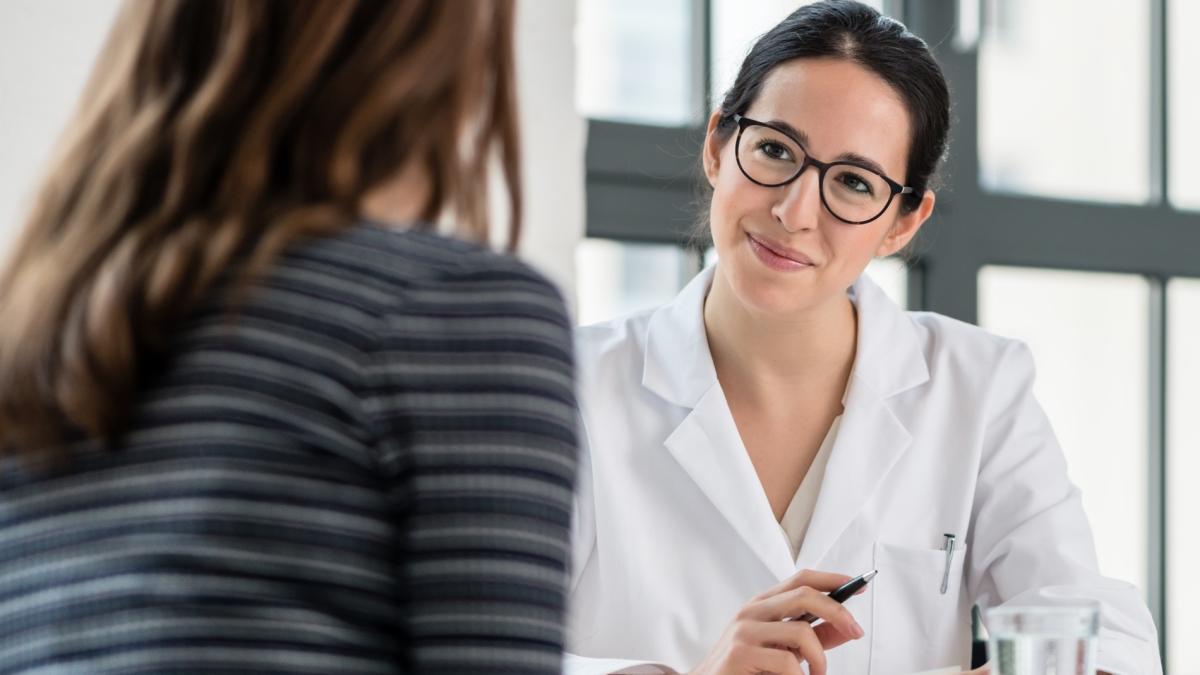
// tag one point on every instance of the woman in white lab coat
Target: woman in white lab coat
(782, 415)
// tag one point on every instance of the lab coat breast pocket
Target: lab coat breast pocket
(914, 626)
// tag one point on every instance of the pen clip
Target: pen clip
(948, 547)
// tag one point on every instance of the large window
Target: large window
(615, 278)
(1062, 113)
(635, 61)
(1087, 331)
(1070, 219)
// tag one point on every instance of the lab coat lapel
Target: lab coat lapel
(871, 438)
(706, 444)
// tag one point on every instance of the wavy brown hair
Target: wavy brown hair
(212, 135)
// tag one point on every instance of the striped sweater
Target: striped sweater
(367, 469)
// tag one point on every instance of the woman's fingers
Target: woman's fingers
(807, 641)
(797, 636)
(824, 581)
(760, 640)
(807, 645)
(806, 600)
(810, 648)
(830, 636)
(762, 625)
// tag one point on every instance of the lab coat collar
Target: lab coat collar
(677, 364)
(889, 356)
(678, 367)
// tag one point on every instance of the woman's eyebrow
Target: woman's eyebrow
(854, 157)
(790, 130)
(865, 162)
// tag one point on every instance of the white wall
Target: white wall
(46, 53)
(47, 48)
(553, 135)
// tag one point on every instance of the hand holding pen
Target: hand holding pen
(773, 631)
(842, 593)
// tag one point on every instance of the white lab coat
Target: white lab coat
(940, 434)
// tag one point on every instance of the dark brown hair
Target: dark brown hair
(213, 134)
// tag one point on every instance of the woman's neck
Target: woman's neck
(773, 359)
(400, 199)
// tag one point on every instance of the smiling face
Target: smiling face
(781, 251)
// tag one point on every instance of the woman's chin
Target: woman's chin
(761, 294)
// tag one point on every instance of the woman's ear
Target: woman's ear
(712, 148)
(906, 226)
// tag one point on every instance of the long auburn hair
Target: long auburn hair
(211, 135)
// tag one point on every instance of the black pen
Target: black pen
(842, 593)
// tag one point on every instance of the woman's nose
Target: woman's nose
(799, 204)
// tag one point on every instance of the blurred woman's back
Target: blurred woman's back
(249, 424)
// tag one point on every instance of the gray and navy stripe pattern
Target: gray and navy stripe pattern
(367, 470)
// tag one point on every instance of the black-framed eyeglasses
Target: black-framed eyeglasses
(771, 157)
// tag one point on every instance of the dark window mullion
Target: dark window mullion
(1156, 567)
(1159, 111)
(1022, 230)
(948, 263)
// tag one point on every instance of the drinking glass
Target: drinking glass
(1053, 640)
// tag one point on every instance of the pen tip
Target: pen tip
(870, 575)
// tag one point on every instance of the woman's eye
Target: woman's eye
(856, 183)
(774, 150)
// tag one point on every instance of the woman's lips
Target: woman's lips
(777, 258)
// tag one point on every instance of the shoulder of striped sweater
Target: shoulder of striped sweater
(417, 256)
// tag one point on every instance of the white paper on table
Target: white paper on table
(941, 671)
